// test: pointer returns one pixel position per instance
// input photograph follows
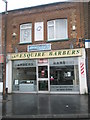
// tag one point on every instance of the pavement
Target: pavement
(44, 106)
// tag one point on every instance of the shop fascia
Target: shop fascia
(47, 54)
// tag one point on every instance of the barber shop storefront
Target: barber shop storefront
(60, 71)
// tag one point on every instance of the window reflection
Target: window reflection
(24, 76)
(43, 71)
(64, 74)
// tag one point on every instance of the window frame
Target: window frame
(39, 25)
(25, 26)
(54, 25)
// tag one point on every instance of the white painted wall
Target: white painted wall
(1, 87)
(9, 76)
(82, 77)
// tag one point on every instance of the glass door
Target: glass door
(43, 77)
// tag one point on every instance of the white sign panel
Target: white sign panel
(39, 47)
(87, 43)
(39, 32)
(24, 63)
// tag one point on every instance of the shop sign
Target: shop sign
(42, 61)
(63, 88)
(39, 47)
(47, 54)
(87, 43)
(63, 61)
(25, 63)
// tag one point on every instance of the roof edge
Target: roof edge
(37, 6)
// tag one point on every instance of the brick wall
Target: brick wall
(89, 20)
(71, 11)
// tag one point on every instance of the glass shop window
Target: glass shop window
(24, 76)
(64, 74)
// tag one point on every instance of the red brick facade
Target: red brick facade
(71, 11)
(76, 14)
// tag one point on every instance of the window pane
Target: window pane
(43, 72)
(51, 32)
(57, 29)
(51, 23)
(43, 85)
(64, 74)
(61, 29)
(25, 33)
(24, 76)
(39, 31)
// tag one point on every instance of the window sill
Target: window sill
(24, 43)
(58, 40)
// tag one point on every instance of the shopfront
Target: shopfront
(48, 72)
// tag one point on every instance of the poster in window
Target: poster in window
(39, 33)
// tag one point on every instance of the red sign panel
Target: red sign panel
(43, 61)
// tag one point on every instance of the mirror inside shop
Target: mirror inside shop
(58, 75)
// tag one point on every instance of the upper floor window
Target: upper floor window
(57, 29)
(26, 33)
(39, 31)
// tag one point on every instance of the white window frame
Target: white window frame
(54, 25)
(39, 31)
(25, 27)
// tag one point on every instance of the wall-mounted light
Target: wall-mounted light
(14, 35)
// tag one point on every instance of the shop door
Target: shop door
(43, 85)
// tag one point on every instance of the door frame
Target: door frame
(42, 79)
